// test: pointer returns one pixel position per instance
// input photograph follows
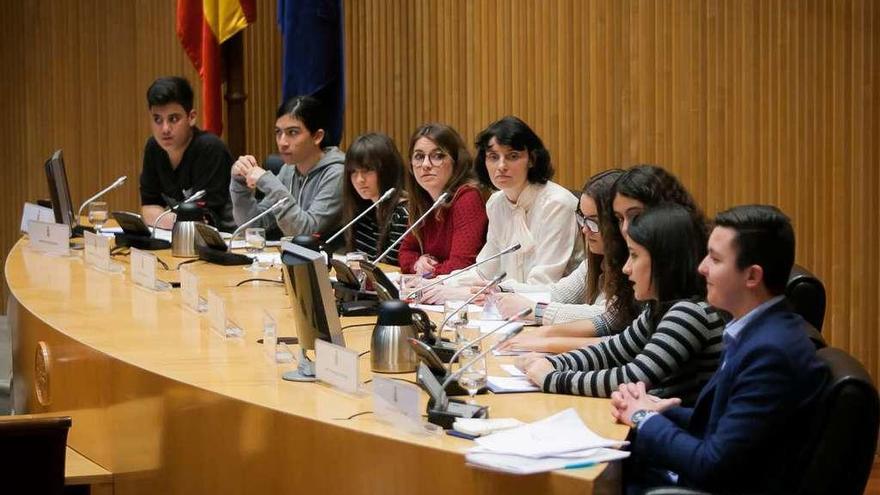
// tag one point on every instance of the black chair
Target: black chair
(838, 453)
(32, 454)
(273, 163)
(806, 293)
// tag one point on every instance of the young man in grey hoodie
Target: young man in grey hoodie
(311, 178)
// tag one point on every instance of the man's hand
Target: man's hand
(254, 175)
(632, 397)
(244, 163)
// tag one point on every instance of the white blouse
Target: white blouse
(543, 222)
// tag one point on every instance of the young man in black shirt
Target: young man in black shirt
(181, 159)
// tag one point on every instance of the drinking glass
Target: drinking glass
(353, 260)
(98, 213)
(455, 318)
(255, 242)
(410, 283)
(475, 376)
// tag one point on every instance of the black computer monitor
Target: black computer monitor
(60, 191)
(313, 305)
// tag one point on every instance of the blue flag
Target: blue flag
(312, 32)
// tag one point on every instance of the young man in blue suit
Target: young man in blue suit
(745, 429)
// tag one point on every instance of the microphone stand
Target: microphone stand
(477, 340)
(384, 197)
(440, 200)
(118, 182)
(250, 222)
(446, 350)
(418, 292)
(196, 196)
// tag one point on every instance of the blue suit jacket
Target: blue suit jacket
(748, 421)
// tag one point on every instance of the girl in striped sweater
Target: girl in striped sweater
(674, 344)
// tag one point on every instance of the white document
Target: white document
(558, 434)
(515, 464)
(511, 384)
(487, 326)
(31, 212)
(49, 238)
(336, 366)
(512, 370)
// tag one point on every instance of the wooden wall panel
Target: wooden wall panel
(751, 101)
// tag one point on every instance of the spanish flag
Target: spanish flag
(202, 25)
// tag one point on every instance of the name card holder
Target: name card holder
(189, 291)
(337, 366)
(397, 403)
(49, 238)
(217, 319)
(31, 212)
(97, 253)
(279, 353)
(143, 271)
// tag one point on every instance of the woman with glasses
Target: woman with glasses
(528, 209)
(581, 294)
(450, 237)
(640, 187)
(372, 167)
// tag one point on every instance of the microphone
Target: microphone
(517, 328)
(495, 281)
(250, 222)
(418, 292)
(440, 200)
(385, 196)
(118, 182)
(196, 196)
(454, 376)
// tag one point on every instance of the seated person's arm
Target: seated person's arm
(318, 217)
(244, 205)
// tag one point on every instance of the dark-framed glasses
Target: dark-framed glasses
(435, 158)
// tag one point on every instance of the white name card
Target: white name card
(217, 319)
(336, 366)
(143, 268)
(97, 252)
(394, 398)
(189, 289)
(31, 212)
(50, 238)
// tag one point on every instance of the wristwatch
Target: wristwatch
(539, 312)
(639, 416)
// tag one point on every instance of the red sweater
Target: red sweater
(454, 241)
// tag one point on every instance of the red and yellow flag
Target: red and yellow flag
(202, 25)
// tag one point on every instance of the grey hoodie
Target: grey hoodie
(314, 202)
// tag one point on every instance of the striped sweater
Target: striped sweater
(676, 358)
(366, 234)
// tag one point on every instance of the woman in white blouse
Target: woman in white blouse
(527, 209)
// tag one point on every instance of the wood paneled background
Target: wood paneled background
(747, 101)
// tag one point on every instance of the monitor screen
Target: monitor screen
(60, 190)
(311, 298)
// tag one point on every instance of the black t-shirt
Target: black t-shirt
(206, 164)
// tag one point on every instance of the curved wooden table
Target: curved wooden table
(168, 406)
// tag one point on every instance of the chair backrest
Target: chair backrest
(32, 453)
(806, 294)
(840, 446)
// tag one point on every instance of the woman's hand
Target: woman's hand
(425, 265)
(538, 370)
(509, 303)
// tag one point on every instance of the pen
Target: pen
(579, 465)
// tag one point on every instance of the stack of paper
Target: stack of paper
(558, 442)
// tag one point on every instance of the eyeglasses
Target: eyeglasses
(435, 158)
(589, 223)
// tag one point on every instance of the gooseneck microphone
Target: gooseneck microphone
(384, 197)
(440, 200)
(454, 376)
(250, 222)
(495, 281)
(517, 328)
(195, 197)
(118, 182)
(509, 249)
